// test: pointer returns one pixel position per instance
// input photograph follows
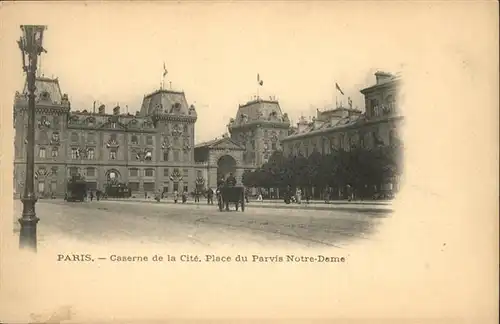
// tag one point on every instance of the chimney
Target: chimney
(102, 110)
(302, 124)
(116, 110)
(382, 76)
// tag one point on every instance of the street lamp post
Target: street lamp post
(30, 45)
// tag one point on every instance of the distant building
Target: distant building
(346, 128)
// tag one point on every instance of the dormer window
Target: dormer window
(45, 95)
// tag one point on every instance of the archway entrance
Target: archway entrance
(113, 176)
(226, 165)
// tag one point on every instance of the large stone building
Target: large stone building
(155, 150)
(255, 132)
(345, 128)
(151, 150)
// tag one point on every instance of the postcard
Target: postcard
(284, 162)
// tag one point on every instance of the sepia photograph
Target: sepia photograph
(208, 148)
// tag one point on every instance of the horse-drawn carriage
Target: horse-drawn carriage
(231, 194)
(76, 189)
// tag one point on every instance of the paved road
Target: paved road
(202, 225)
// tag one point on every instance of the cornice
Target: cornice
(261, 123)
(176, 118)
(56, 110)
(342, 128)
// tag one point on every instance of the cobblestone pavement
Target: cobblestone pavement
(198, 224)
(361, 206)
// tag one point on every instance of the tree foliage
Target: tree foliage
(359, 168)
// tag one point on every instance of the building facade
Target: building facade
(151, 150)
(345, 128)
(154, 149)
(255, 132)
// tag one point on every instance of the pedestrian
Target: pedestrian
(196, 196)
(176, 196)
(184, 196)
(91, 195)
(145, 195)
(210, 196)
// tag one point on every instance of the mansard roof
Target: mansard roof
(259, 110)
(102, 121)
(47, 86)
(167, 102)
(318, 127)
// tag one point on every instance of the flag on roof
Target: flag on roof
(164, 70)
(259, 81)
(338, 88)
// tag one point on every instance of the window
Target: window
(176, 141)
(74, 153)
(42, 152)
(185, 186)
(198, 174)
(373, 107)
(273, 146)
(55, 137)
(113, 125)
(55, 152)
(73, 171)
(113, 137)
(149, 155)
(165, 187)
(90, 154)
(133, 172)
(149, 172)
(253, 144)
(134, 139)
(112, 155)
(134, 186)
(185, 173)
(91, 137)
(176, 155)
(176, 186)
(74, 137)
(41, 187)
(149, 140)
(54, 170)
(185, 128)
(186, 156)
(392, 138)
(165, 172)
(149, 186)
(90, 172)
(165, 156)
(53, 186)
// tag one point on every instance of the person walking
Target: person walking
(210, 196)
(91, 195)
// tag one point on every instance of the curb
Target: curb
(382, 210)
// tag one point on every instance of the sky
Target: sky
(114, 54)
